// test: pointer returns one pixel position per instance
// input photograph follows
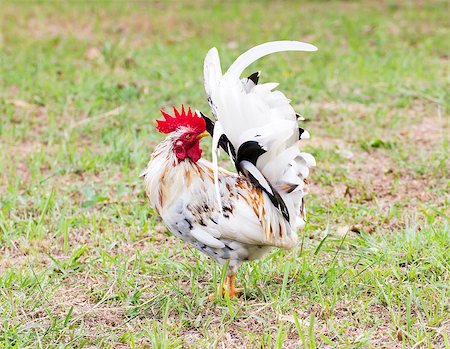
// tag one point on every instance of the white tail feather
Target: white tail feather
(218, 132)
(247, 112)
(212, 72)
(255, 53)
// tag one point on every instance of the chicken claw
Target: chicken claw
(227, 288)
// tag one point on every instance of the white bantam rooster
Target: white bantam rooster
(233, 217)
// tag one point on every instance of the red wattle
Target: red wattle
(195, 152)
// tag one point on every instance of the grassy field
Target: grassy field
(85, 263)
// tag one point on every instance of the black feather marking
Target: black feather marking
(275, 198)
(278, 202)
(254, 77)
(300, 132)
(249, 151)
(298, 116)
(227, 209)
(227, 247)
(224, 142)
(226, 145)
(291, 188)
(209, 124)
(189, 222)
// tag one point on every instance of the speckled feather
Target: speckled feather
(183, 194)
(229, 216)
(261, 125)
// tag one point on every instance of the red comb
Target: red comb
(183, 119)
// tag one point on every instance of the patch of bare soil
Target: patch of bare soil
(57, 26)
(134, 27)
(431, 130)
(382, 182)
(345, 315)
(92, 313)
(17, 151)
(11, 257)
(377, 180)
(35, 114)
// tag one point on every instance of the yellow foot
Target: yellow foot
(227, 288)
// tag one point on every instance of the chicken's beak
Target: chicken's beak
(204, 134)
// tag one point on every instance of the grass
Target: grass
(85, 263)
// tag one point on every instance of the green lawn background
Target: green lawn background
(85, 263)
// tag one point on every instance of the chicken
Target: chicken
(233, 217)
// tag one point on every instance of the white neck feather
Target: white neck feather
(165, 172)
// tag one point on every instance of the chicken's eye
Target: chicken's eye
(188, 136)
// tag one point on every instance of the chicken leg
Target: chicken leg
(227, 288)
